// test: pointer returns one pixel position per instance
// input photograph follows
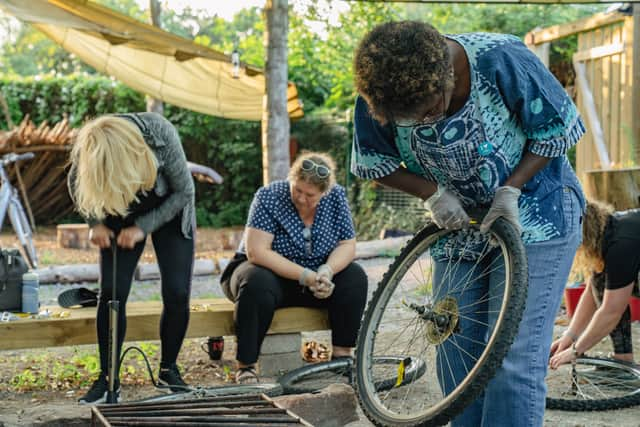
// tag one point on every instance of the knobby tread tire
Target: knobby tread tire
(574, 405)
(507, 331)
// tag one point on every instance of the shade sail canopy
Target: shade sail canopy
(150, 60)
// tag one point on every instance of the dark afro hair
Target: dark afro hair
(398, 66)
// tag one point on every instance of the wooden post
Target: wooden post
(275, 116)
(73, 236)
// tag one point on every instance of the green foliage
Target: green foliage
(230, 147)
(371, 216)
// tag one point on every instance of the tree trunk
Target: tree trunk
(155, 105)
(275, 117)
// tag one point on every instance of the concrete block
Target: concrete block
(281, 343)
(274, 365)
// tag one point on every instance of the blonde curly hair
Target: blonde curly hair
(112, 163)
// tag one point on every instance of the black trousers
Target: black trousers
(261, 292)
(175, 254)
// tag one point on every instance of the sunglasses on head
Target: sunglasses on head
(321, 171)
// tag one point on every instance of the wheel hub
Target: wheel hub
(443, 320)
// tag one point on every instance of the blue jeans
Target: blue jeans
(516, 395)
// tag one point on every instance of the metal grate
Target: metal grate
(225, 411)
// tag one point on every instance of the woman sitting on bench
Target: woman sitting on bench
(298, 250)
(129, 178)
(610, 256)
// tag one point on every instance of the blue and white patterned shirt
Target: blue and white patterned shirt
(273, 211)
(515, 104)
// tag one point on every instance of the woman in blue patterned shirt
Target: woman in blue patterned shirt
(298, 250)
(477, 120)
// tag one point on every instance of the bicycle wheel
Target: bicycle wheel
(593, 384)
(268, 389)
(22, 228)
(317, 376)
(455, 306)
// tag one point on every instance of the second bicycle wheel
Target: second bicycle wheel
(593, 384)
(316, 376)
(454, 300)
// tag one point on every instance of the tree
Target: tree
(275, 116)
(153, 104)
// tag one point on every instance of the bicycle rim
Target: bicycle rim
(593, 384)
(314, 377)
(414, 315)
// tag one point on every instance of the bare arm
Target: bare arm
(584, 311)
(342, 255)
(410, 183)
(259, 252)
(606, 318)
(530, 164)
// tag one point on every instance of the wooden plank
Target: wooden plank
(614, 132)
(600, 51)
(556, 32)
(591, 115)
(634, 154)
(208, 317)
(626, 92)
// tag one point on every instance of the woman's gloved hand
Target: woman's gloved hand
(446, 210)
(308, 278)
(324, 288)
(505, 204)
(325, 270)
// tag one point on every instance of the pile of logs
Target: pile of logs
(43, 177)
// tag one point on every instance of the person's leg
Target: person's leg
(175, 255)
(516, 395)
(126, 262)
(345, 307)
(259, 293)
(468, 283)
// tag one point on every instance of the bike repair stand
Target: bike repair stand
(114, 310)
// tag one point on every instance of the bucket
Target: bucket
(634, 304)
(571, 298)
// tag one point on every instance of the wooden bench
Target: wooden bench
(209, 317)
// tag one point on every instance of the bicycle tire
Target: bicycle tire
(467, 390)
(621, 395)
(26, 237)
(268, 389)
(293, 382)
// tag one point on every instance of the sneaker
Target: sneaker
(98, 392)
(170, 377)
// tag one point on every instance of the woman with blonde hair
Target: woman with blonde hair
(610, 257)
(297, 250)
(129, 179)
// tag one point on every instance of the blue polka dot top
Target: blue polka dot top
(273, 211)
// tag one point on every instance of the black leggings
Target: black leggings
(175, 255)
(261, 292)
(621, 334)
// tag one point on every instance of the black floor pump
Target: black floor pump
(114, 310)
